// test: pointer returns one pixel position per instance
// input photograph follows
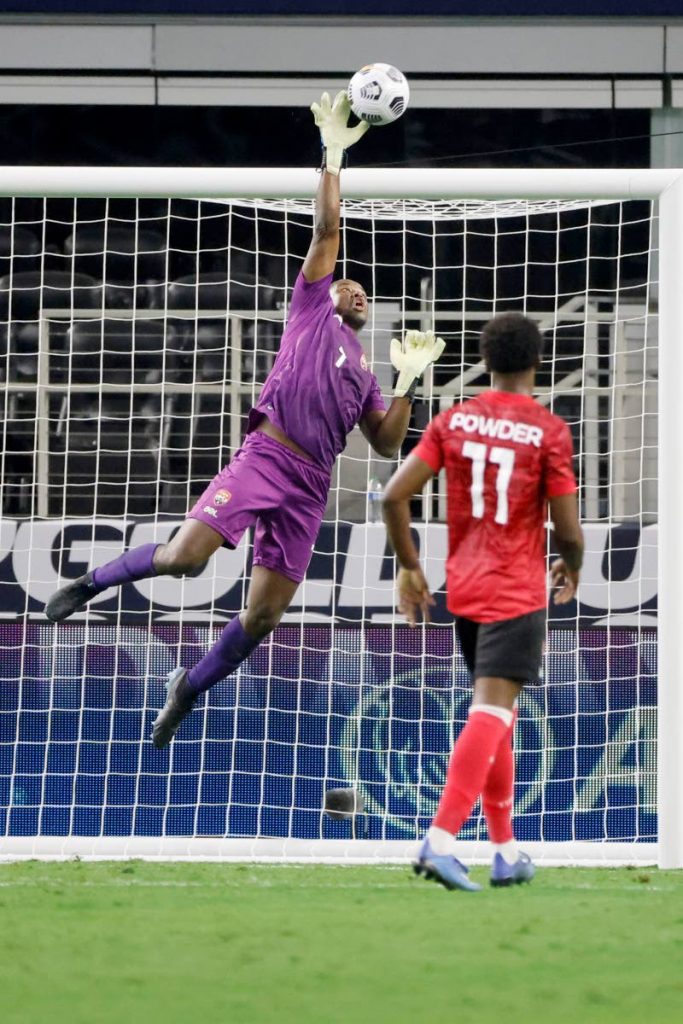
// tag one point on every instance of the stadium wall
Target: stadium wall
(421, 46)
(351, 577)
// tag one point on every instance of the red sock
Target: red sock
(497, 797)
(470, 763)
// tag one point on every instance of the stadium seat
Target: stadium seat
(108, 479)
(21, 364)
(202, 344)
(280, 275)
(114, 437)
(198, 433)
(200, 436)
(19, 444)
(129, 259)
(216, 293)
(212, 352)
(24, 295)
(19, 250)
(121, 352)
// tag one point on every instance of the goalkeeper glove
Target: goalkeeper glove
(331, 119)
(412, 357)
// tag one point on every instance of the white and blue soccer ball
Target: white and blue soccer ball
(378, 93)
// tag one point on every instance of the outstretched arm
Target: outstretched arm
(336, 137)
(324, 248)
(413, 589)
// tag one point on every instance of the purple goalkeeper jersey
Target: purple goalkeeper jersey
(320, 385)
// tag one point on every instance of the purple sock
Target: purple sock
(229, 651)
(136, 564)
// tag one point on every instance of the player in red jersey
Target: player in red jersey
(507, 460)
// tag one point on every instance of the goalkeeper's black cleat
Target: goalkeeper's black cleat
(179, 703)
(71, 598)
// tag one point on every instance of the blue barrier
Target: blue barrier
(313, 708)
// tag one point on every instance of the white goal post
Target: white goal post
(665, 187)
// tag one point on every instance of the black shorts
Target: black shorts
(511, 649)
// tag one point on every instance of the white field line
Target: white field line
(134, 883)
(50, 882)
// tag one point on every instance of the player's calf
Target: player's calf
(261, 620)
(170, 562)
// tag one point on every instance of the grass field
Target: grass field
(135, 942)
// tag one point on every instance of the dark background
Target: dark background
(196, 244)
(279, 137)
(471, 8)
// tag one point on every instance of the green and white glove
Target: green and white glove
(411, 357)
(331, 119)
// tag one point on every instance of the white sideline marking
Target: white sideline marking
(267, 883)
(131, 883)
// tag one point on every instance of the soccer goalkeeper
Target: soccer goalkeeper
(319, 388)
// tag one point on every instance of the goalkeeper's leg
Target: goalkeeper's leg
(283, 545)
(270, 594)
(188, 552)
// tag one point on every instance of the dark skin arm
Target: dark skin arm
(414, 597)
(321, 257)
(564, 572)
(386, 431)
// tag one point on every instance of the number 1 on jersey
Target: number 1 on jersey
(504, 458)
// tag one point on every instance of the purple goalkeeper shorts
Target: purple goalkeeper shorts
(269, 485)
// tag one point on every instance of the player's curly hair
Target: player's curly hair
(510, 343)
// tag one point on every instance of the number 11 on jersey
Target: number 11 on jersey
(504, 458)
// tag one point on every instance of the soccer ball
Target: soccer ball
(378, 93)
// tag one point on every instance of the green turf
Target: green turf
(135, 942)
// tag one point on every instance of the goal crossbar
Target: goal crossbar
(366, 183)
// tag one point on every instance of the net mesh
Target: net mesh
(134, 337)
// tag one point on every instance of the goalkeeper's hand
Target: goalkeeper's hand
(337, 136)
(412, 357)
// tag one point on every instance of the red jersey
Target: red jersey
(504, 455)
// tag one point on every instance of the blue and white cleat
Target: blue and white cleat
(443, 868)
(503, 873)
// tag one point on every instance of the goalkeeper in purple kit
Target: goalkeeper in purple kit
(319, 389)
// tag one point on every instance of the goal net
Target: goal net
(135, 334)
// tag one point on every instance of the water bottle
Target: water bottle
(375, 501)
